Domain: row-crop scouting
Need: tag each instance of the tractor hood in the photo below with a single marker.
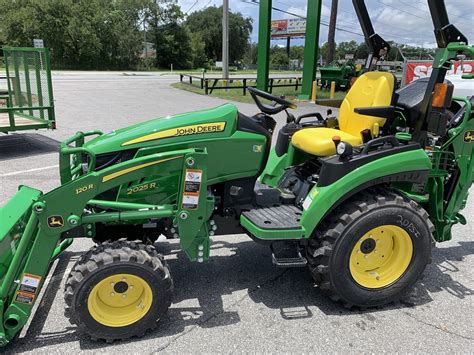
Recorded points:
(198, 125)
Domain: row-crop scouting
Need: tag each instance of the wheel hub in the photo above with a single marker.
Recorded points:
(120, 300)
(121, 287)
(381, 256)
(367, 246)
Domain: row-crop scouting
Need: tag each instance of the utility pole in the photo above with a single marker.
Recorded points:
(332, 32)
(225, 39)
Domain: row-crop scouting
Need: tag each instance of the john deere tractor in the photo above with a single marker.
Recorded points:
(360, 202)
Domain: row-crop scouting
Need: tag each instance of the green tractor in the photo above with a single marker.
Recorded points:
(360, 205)
(343, 75)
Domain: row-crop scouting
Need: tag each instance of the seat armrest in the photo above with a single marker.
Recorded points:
(330, 102)
(377, 111)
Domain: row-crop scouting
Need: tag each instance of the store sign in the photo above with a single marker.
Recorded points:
(289, 27)
(422, 69)
(296, 26)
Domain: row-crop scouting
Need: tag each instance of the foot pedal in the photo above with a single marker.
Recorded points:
(288, 256)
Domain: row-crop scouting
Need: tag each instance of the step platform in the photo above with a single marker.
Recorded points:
(275, 218)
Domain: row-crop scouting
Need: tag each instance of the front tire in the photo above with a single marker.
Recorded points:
(118, 290)
(372, 251)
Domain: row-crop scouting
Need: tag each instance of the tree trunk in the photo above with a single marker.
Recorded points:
(332, 32)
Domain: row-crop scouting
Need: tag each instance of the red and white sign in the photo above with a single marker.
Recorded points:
(422, 69)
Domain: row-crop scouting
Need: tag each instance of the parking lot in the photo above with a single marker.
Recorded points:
(238, 301)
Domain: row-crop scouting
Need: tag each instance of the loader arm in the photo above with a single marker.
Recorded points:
(51, 215)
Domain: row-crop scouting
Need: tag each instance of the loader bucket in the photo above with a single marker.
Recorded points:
(13, 219)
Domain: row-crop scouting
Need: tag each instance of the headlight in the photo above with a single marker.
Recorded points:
(344, 149)
(341, 148)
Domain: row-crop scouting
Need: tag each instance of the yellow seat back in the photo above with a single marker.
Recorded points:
(371, 89)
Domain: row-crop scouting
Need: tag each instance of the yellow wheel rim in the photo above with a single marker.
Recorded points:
(381, 256)
(120, 300)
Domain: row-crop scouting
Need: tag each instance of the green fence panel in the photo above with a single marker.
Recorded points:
(30, 90)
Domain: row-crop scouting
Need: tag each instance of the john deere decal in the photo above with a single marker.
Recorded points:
(55, 221)
(180, 131)
(469, 137)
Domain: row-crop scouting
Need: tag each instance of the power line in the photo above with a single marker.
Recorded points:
(338, 27)
(401, 10)
(191, 7)
(467, 21)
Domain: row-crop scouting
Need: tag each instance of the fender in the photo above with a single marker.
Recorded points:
(411, 166)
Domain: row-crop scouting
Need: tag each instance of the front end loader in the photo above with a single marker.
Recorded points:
(359, 201)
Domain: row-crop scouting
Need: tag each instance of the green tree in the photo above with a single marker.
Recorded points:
(278, 56)
(362, 51)
(344, 48)
(297, 52)
(208, 23)
(250, 56)
(171, 39)
(92, 34)
(199, 57)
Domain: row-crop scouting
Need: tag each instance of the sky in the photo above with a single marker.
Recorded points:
(403, 21)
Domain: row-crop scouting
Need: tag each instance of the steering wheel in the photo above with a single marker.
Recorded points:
(282, 104)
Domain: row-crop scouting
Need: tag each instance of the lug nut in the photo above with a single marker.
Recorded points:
(112, 294)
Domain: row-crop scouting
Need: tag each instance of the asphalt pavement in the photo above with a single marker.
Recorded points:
(238, 301)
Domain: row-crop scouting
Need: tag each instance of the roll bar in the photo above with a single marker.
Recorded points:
(446, 36)
(445, 32)
(378, 47)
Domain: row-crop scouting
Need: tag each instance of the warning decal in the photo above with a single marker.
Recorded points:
(24, 297)
(30, 283)
(192, 187)
(29, 286)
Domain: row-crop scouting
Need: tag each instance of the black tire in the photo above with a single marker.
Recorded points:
(329, 249)
(130, 232)
(107, 260)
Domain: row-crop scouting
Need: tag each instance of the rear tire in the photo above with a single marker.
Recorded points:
(118, 290)
(372, 251)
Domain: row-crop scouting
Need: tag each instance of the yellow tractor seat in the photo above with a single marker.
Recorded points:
(372, 89)
(318, 141)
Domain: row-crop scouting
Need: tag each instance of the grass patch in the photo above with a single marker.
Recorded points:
(237, 94)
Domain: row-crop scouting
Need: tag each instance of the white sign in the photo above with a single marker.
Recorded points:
(296, 26)
(38, 43)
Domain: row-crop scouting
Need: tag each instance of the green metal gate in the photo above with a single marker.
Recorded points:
(28, 102)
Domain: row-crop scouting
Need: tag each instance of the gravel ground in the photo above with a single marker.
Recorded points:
(238, 301)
